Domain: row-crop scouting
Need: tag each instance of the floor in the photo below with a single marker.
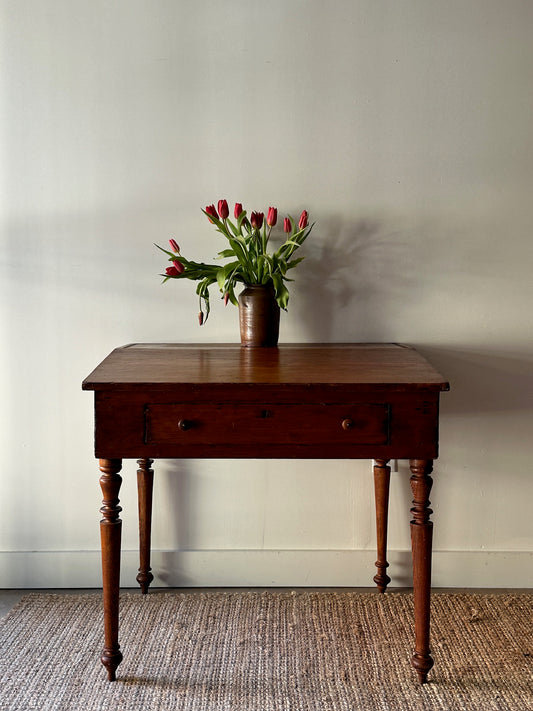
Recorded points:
(9, 598)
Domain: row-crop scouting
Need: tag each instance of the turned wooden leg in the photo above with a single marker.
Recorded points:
(145, 484)
(110, 533)
(381, 488)
(421, 541)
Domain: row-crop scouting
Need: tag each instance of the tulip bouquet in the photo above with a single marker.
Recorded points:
(251, 263)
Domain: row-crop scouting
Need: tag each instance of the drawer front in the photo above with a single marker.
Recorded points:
(190, 423)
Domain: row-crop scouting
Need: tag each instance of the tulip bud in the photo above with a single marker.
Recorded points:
(287, 225)
(272, 216)
(178, 266)
(226, 298)
(174, 245)
(238, 210)
(173, 271)
(303, 220)
(211, 210)
(256, 219)
(223, 210)
(201, 318)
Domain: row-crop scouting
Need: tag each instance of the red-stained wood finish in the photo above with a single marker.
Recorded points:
(145, 485)
(326, 401)
(110, 535)
(381, 489)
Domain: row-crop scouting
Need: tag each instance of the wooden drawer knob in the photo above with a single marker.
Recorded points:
(348, 424)
(184, 425)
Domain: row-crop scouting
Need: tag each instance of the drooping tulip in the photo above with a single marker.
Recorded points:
(226, 298)
(223, 210)
(303, 220)
(201, 318)
(174, 271)
(174, 245)
(272, 216)
(256, 218)
(287, 225)
(178, 265)
(211, 210)
(238, 210)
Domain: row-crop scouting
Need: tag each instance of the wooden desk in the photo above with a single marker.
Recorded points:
(294, 401)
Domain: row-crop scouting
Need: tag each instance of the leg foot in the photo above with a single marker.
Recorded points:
(381, 488)
(145, 484)
(110, 533)
(111, 660)
(422, 665)
(144, 580)
(421, 541)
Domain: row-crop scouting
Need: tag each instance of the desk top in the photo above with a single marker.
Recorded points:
(386, 366)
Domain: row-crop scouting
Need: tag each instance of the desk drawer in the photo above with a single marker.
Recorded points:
(263, 423)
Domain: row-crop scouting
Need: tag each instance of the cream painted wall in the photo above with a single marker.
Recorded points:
(404, 127)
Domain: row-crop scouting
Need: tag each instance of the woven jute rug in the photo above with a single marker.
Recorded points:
(268, 651)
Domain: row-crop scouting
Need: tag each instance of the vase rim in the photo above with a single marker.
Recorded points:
(270, 285)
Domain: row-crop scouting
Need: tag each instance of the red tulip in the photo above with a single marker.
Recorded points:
(272, 217)
(223, 210)
(256, 218)
(238, 210)
(174, 271)
(303, 220)
(178, 265)
(287, 225)
(211, 210)
(226, 298)
(201, 318)
(174, 245)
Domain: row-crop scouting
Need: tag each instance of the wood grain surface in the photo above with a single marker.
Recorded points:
(388, 365)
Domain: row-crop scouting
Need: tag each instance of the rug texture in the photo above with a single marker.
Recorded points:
(269, 651)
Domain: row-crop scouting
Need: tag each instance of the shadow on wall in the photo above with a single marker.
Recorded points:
(179, 478)
(483, 381)
(349, 272)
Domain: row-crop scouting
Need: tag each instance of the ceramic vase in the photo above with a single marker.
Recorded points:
(258, 316)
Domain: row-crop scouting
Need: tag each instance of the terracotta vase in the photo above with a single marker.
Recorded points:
(258, 316)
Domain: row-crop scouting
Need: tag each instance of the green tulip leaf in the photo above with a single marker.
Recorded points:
(172, 255)
(221, 278)
(294, 262)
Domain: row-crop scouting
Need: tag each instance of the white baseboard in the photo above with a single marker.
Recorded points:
(266, 568)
